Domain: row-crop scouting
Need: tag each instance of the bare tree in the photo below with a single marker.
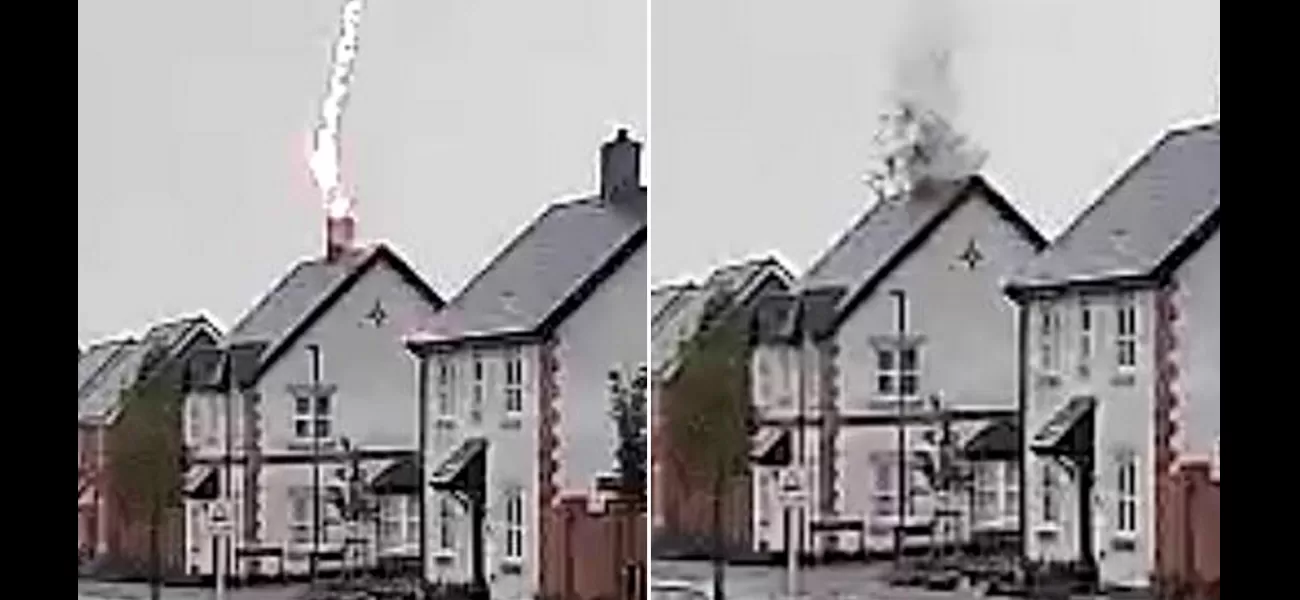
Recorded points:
(629, 414)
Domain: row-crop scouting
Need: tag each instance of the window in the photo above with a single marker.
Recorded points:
(515, 525)
(764, 379)
(303, 417)
(390, 521)
(476, 408)
(300, 514)
(1085, 335)
(1011, 490)
(196, 420)
(897, 373)
(987, 491)
(446, 405)
(1127, 487)
(412, 519)
(884, 489)
(1049, 326)
(514, 382)
(446, 525)
(1126, 334)
(1051, 510)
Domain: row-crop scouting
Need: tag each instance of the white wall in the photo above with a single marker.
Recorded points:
(969, 326)
(1125, 405)
(607, 332)
(1197, 354)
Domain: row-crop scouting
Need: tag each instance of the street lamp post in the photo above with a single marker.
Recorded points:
(900, 298)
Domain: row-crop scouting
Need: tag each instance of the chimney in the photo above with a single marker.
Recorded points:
(620, 166)
(339, 232)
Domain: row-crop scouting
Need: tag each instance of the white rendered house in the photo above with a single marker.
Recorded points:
(339, 321)
(516, 375)
(830, 371)
(1121, 358)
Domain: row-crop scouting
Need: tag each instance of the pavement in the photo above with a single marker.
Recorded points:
(92, 590)
(831, 582)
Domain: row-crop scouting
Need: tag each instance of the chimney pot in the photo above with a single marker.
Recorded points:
(620, 166)
(339, 233)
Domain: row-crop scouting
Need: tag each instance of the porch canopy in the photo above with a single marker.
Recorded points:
(464, 470)
(400, 477)
(997, 441)
(1069, 432)
(771, 447)
(200, 483)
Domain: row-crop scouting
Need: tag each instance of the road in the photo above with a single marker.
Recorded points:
(90, 590)
(840, 582)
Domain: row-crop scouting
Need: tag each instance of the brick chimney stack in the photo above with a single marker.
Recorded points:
(620, 166)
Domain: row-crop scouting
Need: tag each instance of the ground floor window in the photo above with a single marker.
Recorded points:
(1127, 488)
(446, 525)
(300, 514)
(390, 521)
(515, 525)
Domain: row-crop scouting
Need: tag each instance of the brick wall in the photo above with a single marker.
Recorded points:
(588, 555)
(1189, 534)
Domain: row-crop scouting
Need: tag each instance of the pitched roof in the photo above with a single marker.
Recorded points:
(133, 361)
(544, 272)
(665, 299)
(736, 282)
(95, 358)
(891, 231)
(305, 294)
(1144, 221)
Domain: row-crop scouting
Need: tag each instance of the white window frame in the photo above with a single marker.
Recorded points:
(411, 520)
(1126, 327)
(514, 525)
(391, 522)
(1087, 334)
(1126, 495)
(299, 518)
(1049, 338)
(445, 388)
(1011, 491)
(514, 382)
(478, 381)
(320, 417)
(446, 525)
(195, 427)
(988, 493)
(895, 373)
(1050, 498)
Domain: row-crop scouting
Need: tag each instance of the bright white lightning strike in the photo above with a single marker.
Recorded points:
(324, 162)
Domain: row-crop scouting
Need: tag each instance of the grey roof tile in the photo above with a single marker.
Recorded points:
(96, 358)
(100, 397)
(305, 285)
(540, 268)
(1139, 220)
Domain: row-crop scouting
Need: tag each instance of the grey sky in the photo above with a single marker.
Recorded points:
(763, 110)
(194, 123)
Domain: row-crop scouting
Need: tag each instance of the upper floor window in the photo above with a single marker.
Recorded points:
(897, 373)
(477, 391)
(1086, 334)
(1126, 331)
(764, 376)
(304, 416)
(196, 419)
(514, 388)
(446, 402)
(1049, 330)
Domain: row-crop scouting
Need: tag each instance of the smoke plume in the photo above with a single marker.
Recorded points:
(916, 141)
(324, 161)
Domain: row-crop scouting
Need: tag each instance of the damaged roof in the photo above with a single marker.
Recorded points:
(1156, 213)
(545, 272)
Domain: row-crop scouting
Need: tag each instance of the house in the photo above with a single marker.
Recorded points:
(516, 376)
(1120, 359)
(104, 373)
(682, 514)
(900, 326)
(313, 376)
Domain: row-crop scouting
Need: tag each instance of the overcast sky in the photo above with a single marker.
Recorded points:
(194, 118)
(763, 110)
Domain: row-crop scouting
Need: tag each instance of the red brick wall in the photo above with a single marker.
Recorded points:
(586, 555)
(1188, 524)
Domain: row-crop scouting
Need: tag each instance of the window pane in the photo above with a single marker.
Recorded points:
(323, 405)
(885, 360)
(908, 359)
(300, 428)
(885, 384)
(907, 385)
(301, 406)
(322, 428)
